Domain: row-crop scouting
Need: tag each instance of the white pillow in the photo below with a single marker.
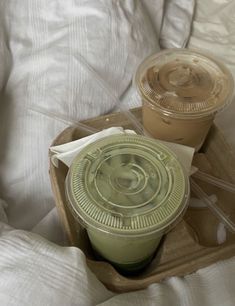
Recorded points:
(71, 60)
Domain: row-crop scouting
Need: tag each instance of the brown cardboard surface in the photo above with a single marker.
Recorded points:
(191, 245)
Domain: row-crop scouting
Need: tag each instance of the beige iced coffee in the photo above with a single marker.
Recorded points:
(182, 90)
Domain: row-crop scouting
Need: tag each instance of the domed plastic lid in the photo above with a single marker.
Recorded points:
(127, 185)
(184, 83)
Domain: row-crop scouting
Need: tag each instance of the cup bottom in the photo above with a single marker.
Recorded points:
(129, 269)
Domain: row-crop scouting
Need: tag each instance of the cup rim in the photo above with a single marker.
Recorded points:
(177, 114)
(160, 226)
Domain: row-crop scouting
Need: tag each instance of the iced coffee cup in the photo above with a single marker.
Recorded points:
(127, 191)
(182, 90)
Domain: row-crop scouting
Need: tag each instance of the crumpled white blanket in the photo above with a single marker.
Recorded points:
(63, 61)
(67, 61)
(36, 272)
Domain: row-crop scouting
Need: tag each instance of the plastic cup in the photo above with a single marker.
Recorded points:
(127, 191)
(182, 90)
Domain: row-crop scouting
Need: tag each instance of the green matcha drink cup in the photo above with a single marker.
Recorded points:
(127, 191)
(182, 90)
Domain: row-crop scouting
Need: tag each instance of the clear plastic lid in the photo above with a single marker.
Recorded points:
(127, 185)
(184, 83)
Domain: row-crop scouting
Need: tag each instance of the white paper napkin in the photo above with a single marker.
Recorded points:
(67, 152)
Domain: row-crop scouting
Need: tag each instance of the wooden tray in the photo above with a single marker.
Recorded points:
(191, 245)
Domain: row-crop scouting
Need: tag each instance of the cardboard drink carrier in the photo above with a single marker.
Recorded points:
(192, 244)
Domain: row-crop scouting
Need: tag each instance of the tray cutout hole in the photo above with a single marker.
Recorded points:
(206, 229)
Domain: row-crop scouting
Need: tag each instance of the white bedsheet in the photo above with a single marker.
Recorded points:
(69, 60)
(35, 272)
(63, 61)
